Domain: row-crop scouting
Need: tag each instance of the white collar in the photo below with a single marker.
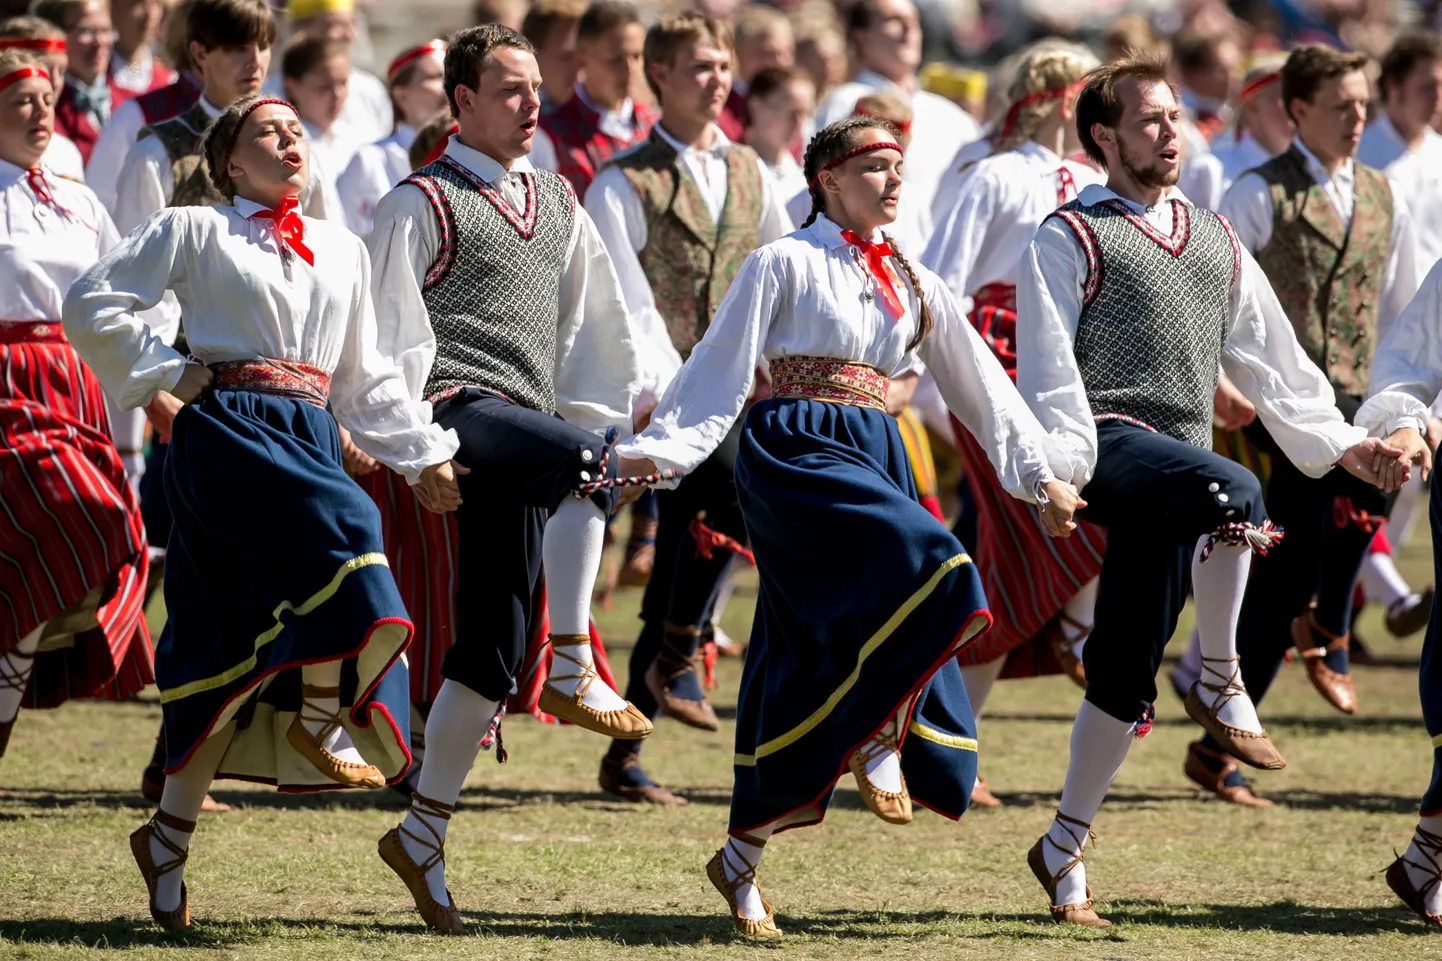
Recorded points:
(404, 135)
(624, 111)
(208, 108)
(1320, 173)
(1040, 152)
(1093, 194)
(145, 61)
(720, 145)
(247, 208)
(825, 230)
(10, 175)
(482, 166)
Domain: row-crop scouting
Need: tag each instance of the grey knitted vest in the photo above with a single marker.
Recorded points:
(1155, 313)
(493, 293)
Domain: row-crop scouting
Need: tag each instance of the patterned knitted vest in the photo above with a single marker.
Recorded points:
(1155, 313)
(581, 148)
(688, 259)
(493, 293)
(181, 135)
(1327, 276)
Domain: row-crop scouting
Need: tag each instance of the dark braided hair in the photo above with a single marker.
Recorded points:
(831, 142)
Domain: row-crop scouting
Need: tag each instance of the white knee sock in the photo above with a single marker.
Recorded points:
(1382, 583)
(183, 796)
(127, 429)
(15, 673)
(459, 719)
(1081, 608)
(339, 742)
(1432, 859)
(1099, 745)
(1405, 514)
(1190, 669)
(571, 552)
(979, 680)
(1218, 585)
(883, 769)
(739, 857)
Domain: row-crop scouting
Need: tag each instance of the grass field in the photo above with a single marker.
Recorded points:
(543, 865)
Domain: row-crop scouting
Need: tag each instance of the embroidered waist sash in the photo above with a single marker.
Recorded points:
(31, 332)
(837, 381)
(284, 378)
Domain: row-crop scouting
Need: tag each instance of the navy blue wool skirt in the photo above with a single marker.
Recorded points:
(275, 560)
(864, 601)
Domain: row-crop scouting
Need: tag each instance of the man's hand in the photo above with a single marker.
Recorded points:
(1063, 501)
(437, 489)
(1414, 451)
(161, 412)
(1365, 461)
(194, 379)
(1231, 410)
(357, 462)
(632, 467)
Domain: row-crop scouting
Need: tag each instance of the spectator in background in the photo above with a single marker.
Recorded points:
(821, 52)
(1132, 35)
(46, 42)
(1401, 141)
(83, 106)
(366, 116)
(508, 13)
(1263, 128)
(1207, 66)
(551, 25)
(316, 72)
(779, 102)
(102, 172)
(601, 119)
(886, 37)
(133, 65)
(763, 39)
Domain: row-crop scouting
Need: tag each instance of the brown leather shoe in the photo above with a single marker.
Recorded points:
(1064, 650)
(673, 662)
(1214, 782)
(1406, 621)
(893, 807)
(1416, 898)
(746, 873)
(613, 782)
(981, 796)
(1079, 914)
(309, 746)
(626, 724)
(640, 553)
(1335, 688)
(441, 918)
(177, 919)
(1254, 748)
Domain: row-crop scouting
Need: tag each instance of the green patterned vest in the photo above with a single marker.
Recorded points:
(1328, 277)
(688, 260)
(181, 138)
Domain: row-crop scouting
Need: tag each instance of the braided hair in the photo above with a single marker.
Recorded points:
(831, 142)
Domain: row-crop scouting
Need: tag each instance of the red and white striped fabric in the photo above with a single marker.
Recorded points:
(421, 547)
(68, 522)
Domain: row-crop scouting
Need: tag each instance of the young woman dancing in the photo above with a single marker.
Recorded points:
(846, 659)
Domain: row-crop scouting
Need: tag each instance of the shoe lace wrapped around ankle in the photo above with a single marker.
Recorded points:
(1230, 688)
(879, 746)
(1076, 856)
(1430, 846)
(179, 855)
(423, 807)
(588, 674)
(332, 722)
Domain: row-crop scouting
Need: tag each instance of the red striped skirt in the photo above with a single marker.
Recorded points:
(70, 523)
(421, 548)
(1028, 577)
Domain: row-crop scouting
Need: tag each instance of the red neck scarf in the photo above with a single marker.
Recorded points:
(289, 226)
(875, 255)
(41, 188)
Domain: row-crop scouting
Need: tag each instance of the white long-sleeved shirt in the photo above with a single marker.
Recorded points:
(621, 219)
(1261, 354)
(1416, 175)
(371, 174)
(619, 123)
(1238, 156)
(42, 251)
(243, 300)
(809, 294)
(939, 128)
(1407, 365)
(597, 376)
(950, 183)
(1000, 202)
(1248, 205)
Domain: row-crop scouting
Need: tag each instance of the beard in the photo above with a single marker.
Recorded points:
(1150, 175)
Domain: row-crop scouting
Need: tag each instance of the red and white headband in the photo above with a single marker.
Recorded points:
(865, 148)
(1252, 89)
(433, 48)
(1041, 96)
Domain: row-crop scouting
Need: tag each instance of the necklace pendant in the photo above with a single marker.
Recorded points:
(868, 295)
(287, 256)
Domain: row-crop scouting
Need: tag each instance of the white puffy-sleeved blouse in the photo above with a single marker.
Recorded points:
(42, 249)
(1407, 366)
(243, 300)
(809, 294)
